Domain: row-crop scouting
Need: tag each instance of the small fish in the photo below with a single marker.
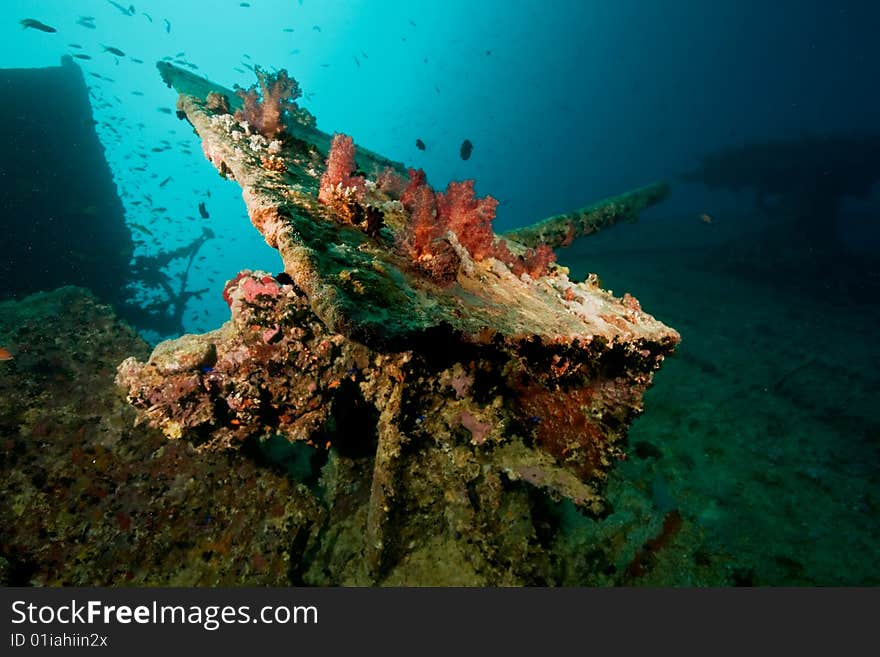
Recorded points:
(81, 56)
(164, 110)
(73, 45)
(5, 354)
(128, 11)
(149, 18)
(165, 182)
(141, 228)
(167, 25)
(203, 210)
(86, 21)
(357, 62)
(316, 28)
(114, 51)
(244, 4)
(705, 218)
(136, 60)
(466, 149)
(420, 144)
(287, 29)
(37, 25)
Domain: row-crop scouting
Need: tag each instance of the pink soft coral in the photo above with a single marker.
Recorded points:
(266, 107)
(457, 210)
(337, 183)
(468, 217)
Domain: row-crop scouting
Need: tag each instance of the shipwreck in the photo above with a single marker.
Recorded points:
(443, 377)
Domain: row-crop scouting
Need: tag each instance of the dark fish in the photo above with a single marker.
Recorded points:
(466, 149)
(114, 51)
(164, 110)
(167, 25)
(413, 23)
(37, 25)
(316, 28)
(73, 45)
(137, 61)
(81, 56)
(357, 62)
(203, 211)
(128, 11)
(141, 228)
(165, 182)
(149, 18)
(244, 4)
(137, 93)
(86, 21)
(420, 144)
(287, 29)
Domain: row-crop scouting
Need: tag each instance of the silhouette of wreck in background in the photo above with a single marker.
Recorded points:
(63, 218)
(64, 222)
(799, 185)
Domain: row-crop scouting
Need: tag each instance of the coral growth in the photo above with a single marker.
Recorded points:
(432, 215)
(266, 106)
(440, 225)
(217, 103)
(338, 187)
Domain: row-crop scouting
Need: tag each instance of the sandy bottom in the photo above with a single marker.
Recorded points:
(763, 430)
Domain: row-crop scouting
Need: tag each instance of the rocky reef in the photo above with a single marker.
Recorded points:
(444, 383)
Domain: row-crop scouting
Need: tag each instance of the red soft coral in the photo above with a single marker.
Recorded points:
(266, 107)
(337, 183)
(468, 217)
(432, 215)
(423, 236)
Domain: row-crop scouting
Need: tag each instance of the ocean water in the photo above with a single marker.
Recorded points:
(762, 431)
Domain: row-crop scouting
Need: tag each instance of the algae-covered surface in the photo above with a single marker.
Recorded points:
(754, 464)
(415, 400)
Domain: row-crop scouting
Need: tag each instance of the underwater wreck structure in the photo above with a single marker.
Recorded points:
(444, 377)
(800, 185)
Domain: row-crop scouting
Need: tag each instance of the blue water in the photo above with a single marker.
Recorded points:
(565, 101)
(762, 429)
